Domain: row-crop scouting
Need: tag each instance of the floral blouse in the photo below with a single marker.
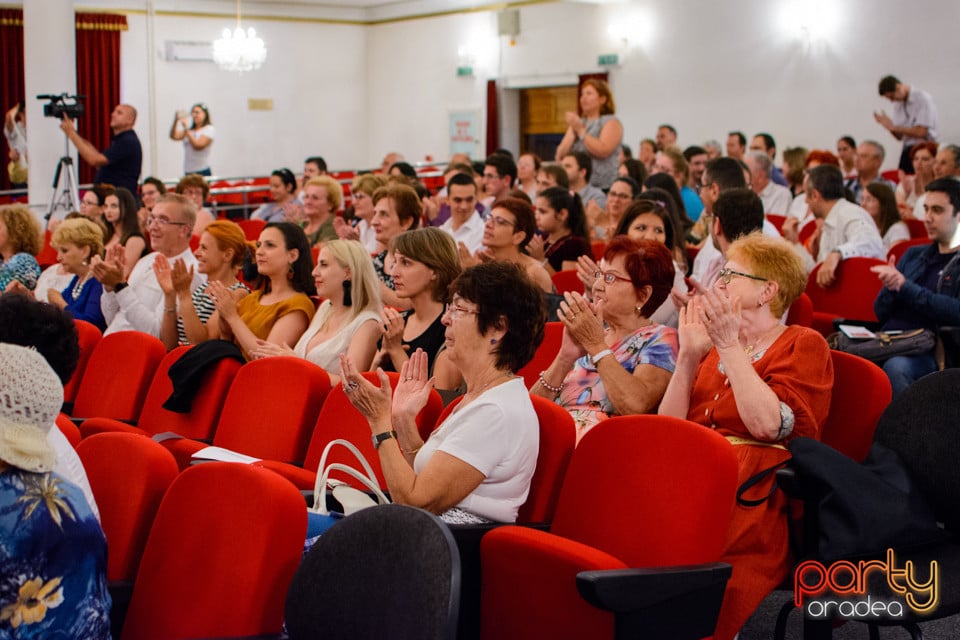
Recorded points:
(53, 561)
(22, 267)
(583, 394)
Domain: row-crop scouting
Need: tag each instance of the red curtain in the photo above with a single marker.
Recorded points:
(588, 76)
(11, 72)
(493, 117)
(98, 77)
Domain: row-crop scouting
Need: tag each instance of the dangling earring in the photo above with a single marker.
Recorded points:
(290, 272)
(347, 298)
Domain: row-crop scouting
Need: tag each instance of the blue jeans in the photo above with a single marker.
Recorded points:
(905, 370)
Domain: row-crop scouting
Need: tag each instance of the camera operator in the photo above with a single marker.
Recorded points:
(119, 164)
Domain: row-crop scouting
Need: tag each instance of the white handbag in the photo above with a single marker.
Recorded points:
(352, 499)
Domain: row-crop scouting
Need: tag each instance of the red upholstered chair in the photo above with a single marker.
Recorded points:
(269, 411)
(850, 297)
(564, 281)
(339, 419)
(801, 311)
(597, 248)
(861, 393)
(220, 557)
(918, 229)
(897, 249)
(198, 424)
(892, 175)
(640, 492)
(68, 429)
(806, 231)
(117, 376)
(129, 474)
(89, 336)
(544, 355)
(252, 228)
(48, 254)
(777, 220)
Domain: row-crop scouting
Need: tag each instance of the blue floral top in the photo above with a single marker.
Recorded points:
(53, 561)
(583, 394)
(22, 267)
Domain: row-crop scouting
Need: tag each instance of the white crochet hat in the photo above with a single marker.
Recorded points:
(30, 398)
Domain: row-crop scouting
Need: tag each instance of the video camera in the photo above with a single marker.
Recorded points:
(59, 106)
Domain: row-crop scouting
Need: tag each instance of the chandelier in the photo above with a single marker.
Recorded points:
(239, 50)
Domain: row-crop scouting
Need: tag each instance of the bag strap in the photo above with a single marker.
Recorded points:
(369, 480)
(753, 481)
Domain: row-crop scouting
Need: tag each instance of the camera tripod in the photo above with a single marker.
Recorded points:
(64, 196)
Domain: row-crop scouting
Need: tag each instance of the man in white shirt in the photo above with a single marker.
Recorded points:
(914, 117)
(465, 224)
(138, 303)
(847, 230)
(775, 198)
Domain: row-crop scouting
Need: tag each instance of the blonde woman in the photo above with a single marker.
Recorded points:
(77, 241)
(321, 201)
(348, 321)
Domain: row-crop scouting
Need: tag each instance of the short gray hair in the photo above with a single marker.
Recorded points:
(763, 162)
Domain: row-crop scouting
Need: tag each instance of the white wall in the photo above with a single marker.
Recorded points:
(314, 73)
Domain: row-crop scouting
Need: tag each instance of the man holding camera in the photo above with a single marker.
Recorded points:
(119, 164)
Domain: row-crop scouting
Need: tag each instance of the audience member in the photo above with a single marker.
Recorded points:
(195, 187)
(601, 225)
(477, 465)
(647, 153)
(552, 174)
(53, 554)
(634, 169)
(736, 145)
(321, 201)
(123, 227)
(696, 158)
(150, 190)
(396, 209)
(666, 137)
(759, 383)
(714, 150)
(847, 231)
(613, 360)
(20, 241)
(764, 142)
(881, 204)
(672, 162)
(465, 224)
(798, 208)
(911, 188)
(776, 199)
(914, 116)
(136, 303)
(506, 234)
(528, 164)
(222, 251)
(579, 168)
(362, 190)
(870, 156)
(598, 133)
(119, 164)
(923, 289)
(499, 174)
(562, 235)
(285, 207)
(390, 159)
(92, 203)
(280, 308)
(77, 241)
(794, 164)
(847, 154)
(348, 320)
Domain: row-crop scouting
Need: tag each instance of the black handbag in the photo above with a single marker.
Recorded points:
(886, 345)
(858, 510)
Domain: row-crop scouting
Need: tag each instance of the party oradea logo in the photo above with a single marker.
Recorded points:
(843, 588)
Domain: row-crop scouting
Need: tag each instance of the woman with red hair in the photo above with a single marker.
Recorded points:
(598, 132)
(911, 188)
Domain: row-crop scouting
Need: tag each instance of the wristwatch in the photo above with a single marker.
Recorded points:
(380, 438)
(120, 286)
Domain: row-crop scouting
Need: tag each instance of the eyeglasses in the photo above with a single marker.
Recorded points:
(609, 277)
(621, 196)
(456, 312)
(726, 275)
(501, 222)
(164, 222)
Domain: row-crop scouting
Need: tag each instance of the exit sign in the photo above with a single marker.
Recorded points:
(608, 59)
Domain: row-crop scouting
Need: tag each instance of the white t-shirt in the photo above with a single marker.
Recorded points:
(69, 466)
(50, 279)
(497, 434)
(198, 159)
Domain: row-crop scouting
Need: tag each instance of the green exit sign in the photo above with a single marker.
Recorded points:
(464, 71)
(608, 59)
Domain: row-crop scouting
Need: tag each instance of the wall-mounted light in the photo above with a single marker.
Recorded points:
(810, 21)
(478, 53)
(631, 27)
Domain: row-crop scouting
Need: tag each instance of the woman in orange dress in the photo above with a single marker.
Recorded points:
(759, 383)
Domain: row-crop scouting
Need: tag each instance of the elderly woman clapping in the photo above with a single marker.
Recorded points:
(614, 360)
(759, 383)
(477, 465)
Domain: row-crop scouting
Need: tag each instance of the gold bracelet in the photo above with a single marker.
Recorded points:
(413, 451)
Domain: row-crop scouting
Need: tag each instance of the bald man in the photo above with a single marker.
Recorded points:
(120, 163)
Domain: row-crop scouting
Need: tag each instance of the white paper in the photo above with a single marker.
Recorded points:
(857, 333)
(223, 455)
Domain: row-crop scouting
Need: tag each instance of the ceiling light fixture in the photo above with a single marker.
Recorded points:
(240, 50)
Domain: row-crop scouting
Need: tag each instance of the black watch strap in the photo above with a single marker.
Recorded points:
(120, 286)
(380, 438)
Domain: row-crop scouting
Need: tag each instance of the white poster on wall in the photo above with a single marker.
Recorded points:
(465, 132)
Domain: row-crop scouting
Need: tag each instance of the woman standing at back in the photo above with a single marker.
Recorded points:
(598, 132)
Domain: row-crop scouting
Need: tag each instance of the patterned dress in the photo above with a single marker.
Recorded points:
(583, 394)
(22, 267)
(53, 561)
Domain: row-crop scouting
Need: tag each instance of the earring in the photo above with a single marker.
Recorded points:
(290, 272)
(638, 309)
(759, 303)
(347, 298)
(493, 341)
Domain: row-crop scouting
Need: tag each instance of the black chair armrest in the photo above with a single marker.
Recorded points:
(665, 602)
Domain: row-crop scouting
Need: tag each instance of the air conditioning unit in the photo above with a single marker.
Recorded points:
(181, 51)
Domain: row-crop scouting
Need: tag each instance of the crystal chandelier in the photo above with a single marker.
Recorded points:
(240, 50)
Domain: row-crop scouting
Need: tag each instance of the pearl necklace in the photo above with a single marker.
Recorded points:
(77, 288)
